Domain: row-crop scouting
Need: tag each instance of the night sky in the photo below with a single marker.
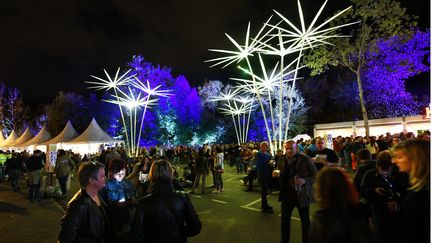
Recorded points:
(49, 46)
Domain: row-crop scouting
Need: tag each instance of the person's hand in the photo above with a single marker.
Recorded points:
(380, 191)
(392, 205)
(299, 181)
(275, 173)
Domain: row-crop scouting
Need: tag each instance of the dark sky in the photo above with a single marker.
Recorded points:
(48, 46)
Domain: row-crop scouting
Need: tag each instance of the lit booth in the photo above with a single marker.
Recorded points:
(91, 140)
(377, 127)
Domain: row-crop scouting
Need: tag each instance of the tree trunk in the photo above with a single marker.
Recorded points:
(362, 103)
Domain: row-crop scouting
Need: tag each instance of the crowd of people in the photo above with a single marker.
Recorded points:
(143, 200)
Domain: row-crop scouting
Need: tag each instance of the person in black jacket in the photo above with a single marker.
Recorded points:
(14, 167)
(366, 163)
(382, 188)
(34, 173)
(165, 215)
(85, 217)
(201, 171)
(413, 157)
(297, 175)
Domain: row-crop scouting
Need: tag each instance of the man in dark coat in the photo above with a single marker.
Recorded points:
(201, 171)
(84, 220)
(297, 174)
(14, 167)
(34, 173)
(264, 170)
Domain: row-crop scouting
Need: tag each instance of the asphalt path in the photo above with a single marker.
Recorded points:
(235, 215)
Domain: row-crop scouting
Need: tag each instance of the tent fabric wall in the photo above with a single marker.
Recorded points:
(93, 134)
(40, 138)
(10, 139)
(26, 136)
(67, 134)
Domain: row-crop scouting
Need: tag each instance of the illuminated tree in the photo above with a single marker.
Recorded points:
(379, 19)
(396, 60)
(174, 117)
(80, 110)
(207, 91)
(13, 111)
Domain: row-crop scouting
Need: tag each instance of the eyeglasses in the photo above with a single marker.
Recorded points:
(120, 174)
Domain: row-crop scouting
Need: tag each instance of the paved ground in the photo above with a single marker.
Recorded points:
(231, 216)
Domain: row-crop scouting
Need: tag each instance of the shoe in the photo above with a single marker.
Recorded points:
(221, 190)
(267, 209)
(248, 189)
(192, 192)
(215, 191)
(242, 183)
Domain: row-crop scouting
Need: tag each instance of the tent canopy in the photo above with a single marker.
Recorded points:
(40, 138)
(93, 134)
(66, 135)
(304, 136)
(10, 139)
(26, 136)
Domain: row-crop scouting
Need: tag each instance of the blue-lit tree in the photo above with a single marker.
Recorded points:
(174, 118)
(379, 20)
(396, 60)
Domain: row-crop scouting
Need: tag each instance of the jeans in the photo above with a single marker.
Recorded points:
(62, 182)
(196, 181)
(218, 181)
(34, 178)
(347, 158)
(286, 212)
(250, 178)
(14, 177)
(34, 192)
(239, 165)
(264, 179)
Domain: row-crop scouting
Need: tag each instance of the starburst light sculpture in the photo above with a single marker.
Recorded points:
(275, 40)
(134, 95)
(113, 83)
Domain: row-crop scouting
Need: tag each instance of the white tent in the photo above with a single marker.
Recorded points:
(93, 134)
(26, 136)
(1, 138)
(9, 140)
(304, 136)
(40, 138)
(37, 141)
(66, 135)
(91, 139)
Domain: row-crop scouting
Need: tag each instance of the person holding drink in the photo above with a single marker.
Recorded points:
(296, 174)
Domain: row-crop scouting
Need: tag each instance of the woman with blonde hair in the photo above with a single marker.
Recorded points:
(413, 157)
(339, 220)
